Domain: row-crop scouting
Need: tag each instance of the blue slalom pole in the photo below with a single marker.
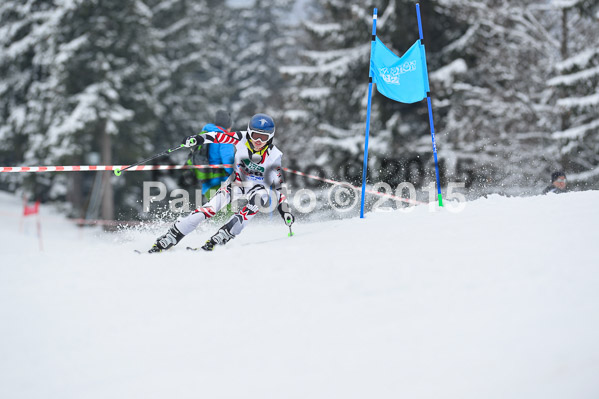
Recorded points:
(430, 115)
(365, 166)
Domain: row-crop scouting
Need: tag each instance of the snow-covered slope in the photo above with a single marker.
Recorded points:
(500, 300)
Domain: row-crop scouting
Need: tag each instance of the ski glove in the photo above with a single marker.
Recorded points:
(191, 141)
(288, 218)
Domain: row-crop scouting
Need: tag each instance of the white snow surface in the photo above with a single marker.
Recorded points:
(500, 300)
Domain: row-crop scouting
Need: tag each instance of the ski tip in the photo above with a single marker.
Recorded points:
(140, 252)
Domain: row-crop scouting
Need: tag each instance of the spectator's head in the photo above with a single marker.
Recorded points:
(558, 179)
(223, 119)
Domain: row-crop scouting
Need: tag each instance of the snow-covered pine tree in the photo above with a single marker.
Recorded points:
(26, 56)
(93, 71)
(191, 87)
(576, 85)
(260, 45)
(109, 80)
(495, 109)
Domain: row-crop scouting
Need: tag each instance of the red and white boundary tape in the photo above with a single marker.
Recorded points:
(95, 168)
(390, 196)
(91, 168)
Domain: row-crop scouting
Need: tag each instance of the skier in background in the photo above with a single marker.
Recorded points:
(257, 167)
(214, 154)
(558, 183)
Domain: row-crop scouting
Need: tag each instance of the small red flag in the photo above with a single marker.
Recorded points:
(31, 210)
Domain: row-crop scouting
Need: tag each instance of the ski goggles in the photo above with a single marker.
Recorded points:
(257, 135)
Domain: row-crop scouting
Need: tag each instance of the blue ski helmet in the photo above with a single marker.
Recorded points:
(261, 127)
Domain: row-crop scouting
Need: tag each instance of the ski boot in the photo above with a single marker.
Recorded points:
(170, 239)
(221, 237)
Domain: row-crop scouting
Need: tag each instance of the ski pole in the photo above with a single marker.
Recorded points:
(290, 232)
(118, 171)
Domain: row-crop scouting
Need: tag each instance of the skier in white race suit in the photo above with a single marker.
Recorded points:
(257, 168)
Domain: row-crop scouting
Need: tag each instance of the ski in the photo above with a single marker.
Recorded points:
(145, 251)
(199, 249)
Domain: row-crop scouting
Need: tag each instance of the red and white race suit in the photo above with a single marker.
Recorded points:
(256, 176)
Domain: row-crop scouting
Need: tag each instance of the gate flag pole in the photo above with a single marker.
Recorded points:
(365, 166)
(430, 111)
